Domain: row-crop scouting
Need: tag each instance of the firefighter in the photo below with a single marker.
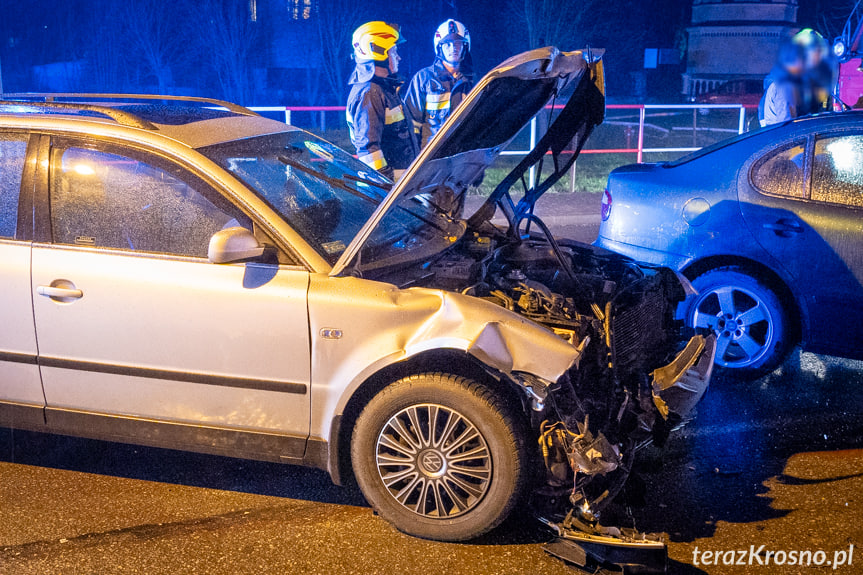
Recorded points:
(379, 128)
(435, 91)
(821, 70)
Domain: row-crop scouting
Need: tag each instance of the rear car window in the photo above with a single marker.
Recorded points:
(837, 170)
(780, 173)
(131, 201)
(13, 148)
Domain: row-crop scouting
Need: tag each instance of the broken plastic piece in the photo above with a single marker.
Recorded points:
(679, 386)
(601, 548)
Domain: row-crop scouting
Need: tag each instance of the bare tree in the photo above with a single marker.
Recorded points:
(227, 37)
(567, 24)
(107, 64)
(336, 21)
(832, 14)
(151, 29)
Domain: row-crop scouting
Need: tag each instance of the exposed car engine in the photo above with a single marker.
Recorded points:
(621, 318)
(636, 374)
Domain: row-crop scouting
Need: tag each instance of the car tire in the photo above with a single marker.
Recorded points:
(453, 483)
(747, 317)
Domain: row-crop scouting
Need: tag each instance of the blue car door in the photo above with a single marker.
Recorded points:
(803, 202)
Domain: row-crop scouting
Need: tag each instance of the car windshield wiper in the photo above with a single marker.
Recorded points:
(379, 185)
(337, 182)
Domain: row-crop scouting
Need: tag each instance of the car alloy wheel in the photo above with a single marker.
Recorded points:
(442, 456)
(742, 322)
(434, 461)
(747, 318)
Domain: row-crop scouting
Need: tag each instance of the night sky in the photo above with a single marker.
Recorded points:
(181, 46)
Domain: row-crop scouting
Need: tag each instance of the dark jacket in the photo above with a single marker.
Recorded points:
(821, 81)
(433, 94)
(380, 130)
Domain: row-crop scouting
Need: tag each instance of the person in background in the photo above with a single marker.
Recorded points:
(821, 70)
(435, 91)
(784, 98)
(379, 128)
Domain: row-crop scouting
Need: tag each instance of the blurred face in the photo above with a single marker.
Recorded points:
(453, 51)
(394, 60)
(795, 67)
(814, 55)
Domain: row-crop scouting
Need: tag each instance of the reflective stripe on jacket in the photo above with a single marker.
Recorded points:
(379, 130)
(432, 95)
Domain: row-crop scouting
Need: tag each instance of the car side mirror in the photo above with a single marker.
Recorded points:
(233, 245)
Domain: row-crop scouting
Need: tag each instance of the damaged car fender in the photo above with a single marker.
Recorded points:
(377, 324)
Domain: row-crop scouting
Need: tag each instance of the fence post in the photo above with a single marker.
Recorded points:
(572, 177)
(640, 134)
(532, 173)
(287, 116)
(694, 127)
(741, 127)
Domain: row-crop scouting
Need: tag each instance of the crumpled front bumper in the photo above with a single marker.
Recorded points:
(680, 385)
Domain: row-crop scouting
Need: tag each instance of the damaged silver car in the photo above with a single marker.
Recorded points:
(210, 280)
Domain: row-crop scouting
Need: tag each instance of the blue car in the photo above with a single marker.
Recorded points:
(768, 226)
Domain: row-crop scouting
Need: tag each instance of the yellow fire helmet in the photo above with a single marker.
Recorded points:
(374, 40)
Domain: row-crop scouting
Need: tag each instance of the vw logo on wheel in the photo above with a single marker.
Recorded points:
(431, 461)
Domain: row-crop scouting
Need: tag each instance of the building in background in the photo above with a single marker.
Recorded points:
(734, 40)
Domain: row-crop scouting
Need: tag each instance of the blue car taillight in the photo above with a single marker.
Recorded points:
(606, 204)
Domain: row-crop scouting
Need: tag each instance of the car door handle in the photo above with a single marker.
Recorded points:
(60, 293)
(785, 227)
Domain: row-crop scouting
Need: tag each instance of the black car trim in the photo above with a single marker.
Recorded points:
(246, 443)
(22, 415)
(24, 217)
(41, 206)
(202, 378)
(223, 441)
(14, 357)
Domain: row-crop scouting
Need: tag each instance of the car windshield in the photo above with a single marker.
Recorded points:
(327, 195)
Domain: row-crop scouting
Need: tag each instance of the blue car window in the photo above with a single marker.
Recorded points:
(12, 151)
(781, 173)
(837, 170)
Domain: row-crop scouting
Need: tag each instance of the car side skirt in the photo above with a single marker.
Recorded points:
(228, 442)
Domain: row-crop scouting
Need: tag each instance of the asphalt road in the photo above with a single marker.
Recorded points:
(777, 462)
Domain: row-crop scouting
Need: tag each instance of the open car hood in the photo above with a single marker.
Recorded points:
(499, 106)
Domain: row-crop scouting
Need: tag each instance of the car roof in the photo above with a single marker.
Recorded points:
(195, 122)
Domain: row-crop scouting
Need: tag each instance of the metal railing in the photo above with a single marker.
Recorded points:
(643, 111)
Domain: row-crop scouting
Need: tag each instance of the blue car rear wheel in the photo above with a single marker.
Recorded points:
(747, 318)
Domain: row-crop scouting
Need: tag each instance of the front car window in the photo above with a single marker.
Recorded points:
(327, 196)
(120, 199)
(837, 170)
(781, 173)
(13, 148)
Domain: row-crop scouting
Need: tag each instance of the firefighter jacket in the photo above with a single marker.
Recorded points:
(433, 94)
(378, 127)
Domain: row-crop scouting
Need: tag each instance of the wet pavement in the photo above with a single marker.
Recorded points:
(776, 463)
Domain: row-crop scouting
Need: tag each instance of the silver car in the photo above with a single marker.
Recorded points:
(201, 278)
